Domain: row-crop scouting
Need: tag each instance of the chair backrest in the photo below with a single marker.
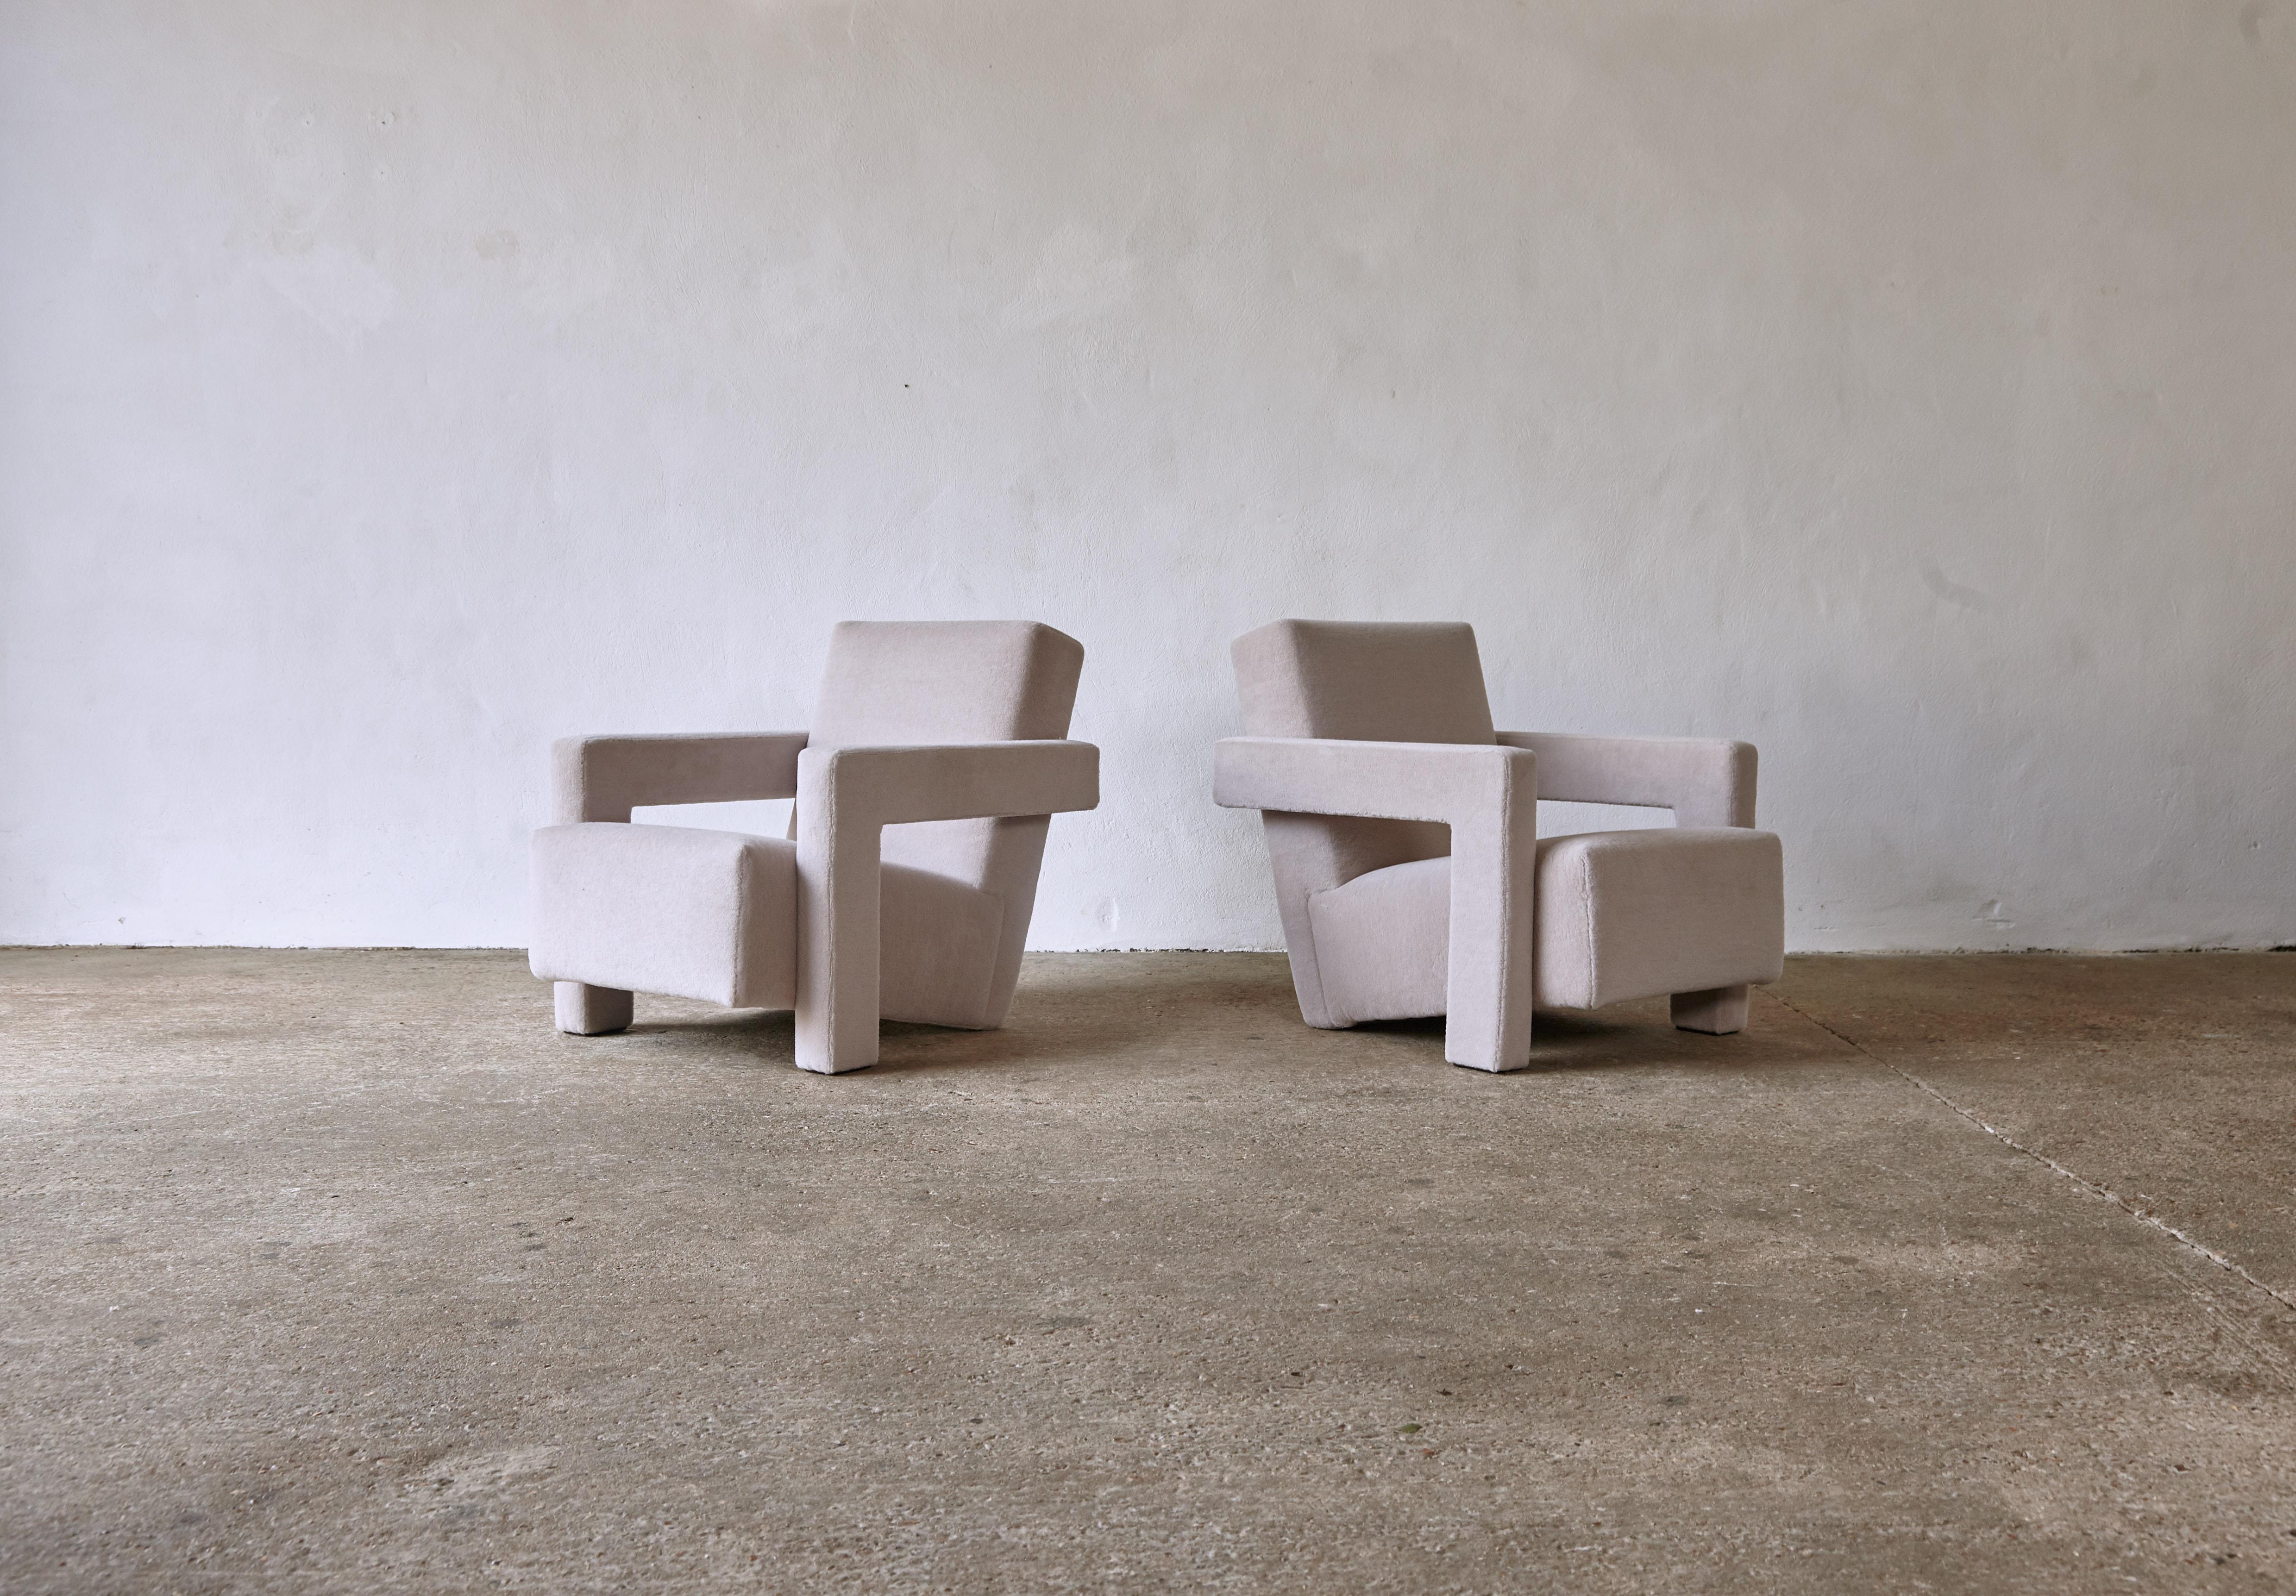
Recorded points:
(1367, 681)
(1362, 680)
(923, 682)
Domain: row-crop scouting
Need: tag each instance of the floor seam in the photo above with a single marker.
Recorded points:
(2136, 1211)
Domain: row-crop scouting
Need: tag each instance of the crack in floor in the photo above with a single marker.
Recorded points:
(2137, 1211)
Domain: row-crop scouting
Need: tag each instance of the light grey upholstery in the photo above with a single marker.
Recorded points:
(923, 791)
(1402, 830)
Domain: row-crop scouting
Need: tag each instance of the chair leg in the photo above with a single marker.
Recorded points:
(1488, 987)
(1718, 1012)
(840, 913)
(592, 1010)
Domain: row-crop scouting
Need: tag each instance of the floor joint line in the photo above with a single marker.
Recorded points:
(2141, 1214)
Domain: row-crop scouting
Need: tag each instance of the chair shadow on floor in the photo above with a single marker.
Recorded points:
(670, 1030)
(1631, 1035)
(1077, 1010)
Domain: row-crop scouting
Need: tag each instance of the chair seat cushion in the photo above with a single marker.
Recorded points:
(712, 915)
(673, 909)
(1619, 915)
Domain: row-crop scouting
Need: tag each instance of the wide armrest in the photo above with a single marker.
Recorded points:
(956, 781)
(1488, 796)
(1389, 781)
(846, 797)
(601, 778)
(1705, 780)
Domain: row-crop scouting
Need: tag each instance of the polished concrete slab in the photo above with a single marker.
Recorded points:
(344, 1271)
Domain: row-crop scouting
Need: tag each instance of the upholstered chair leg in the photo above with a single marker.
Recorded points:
(1486, 1022)
(592, 1010)
(1718, 1012)
(839, 905)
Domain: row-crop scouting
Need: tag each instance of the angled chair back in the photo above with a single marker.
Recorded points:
(1363, 681)
(931, 681)
(1369, 681)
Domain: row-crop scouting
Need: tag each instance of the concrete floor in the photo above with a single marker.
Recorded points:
(345, 1273)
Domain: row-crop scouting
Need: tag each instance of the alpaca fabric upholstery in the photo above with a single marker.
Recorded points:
(1401, 833)
(1482, 798)
(707, 915)
(603, 778)
(923, 792)
(667, 909)
(1681, 910)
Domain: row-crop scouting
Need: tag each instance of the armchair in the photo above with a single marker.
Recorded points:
(1402, 828)
(924, 790)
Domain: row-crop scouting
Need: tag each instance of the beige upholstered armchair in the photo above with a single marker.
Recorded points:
(936, 759)
(1403, 830)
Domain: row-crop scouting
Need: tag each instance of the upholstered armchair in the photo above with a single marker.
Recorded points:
(924, 788)
(1403, 832)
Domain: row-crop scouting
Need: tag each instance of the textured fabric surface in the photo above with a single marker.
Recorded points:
(667, 909)
(899, 682)
(713, 915)
(847, 800)
(1721, 1012)
(1486, 796)
(1420, 681)
(603, 778)
(1407, 890)
(1629, 914)
(939, 943)
(1705, 780)
(896, 683)
(1619, 915)
(1375, 681)
(1383, 943)
(922, 794)
(582, 1009)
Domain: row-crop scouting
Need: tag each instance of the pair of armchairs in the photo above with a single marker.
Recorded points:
(1401, 826)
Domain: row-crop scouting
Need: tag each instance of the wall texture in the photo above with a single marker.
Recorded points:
(1906, 386)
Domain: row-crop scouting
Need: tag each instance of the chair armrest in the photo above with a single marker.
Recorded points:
(846, 797)
(1445, 781)
(601, 778)
(886, 786)
(1488, 797)
(1705, 780)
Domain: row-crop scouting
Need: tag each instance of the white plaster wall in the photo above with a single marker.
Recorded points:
(388, 388)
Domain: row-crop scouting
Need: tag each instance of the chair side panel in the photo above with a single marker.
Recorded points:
(670, 910)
